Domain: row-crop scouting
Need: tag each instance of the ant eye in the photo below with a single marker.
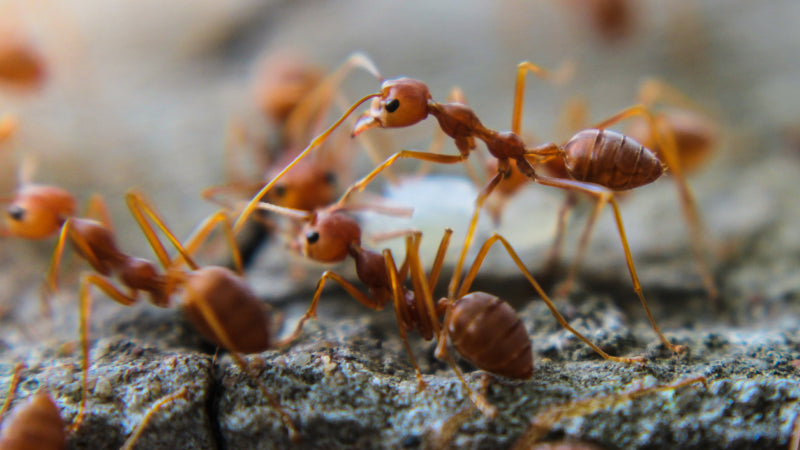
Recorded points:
(330, 178)
(16, 212)
(312, 237)
(392, 105)
(280, 191)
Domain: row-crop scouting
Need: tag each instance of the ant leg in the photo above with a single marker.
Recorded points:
(401, 312)
(181, 393)
(473, 225)
(201, 233)
(311, 313)
(560, 76)
(12, 390)
(140, 207)
(603, 196)
(544, 421)
(85, 306)
(8, 127)
(553, 258)
(67, 232)
(794, 443)
(97, 209)
(473, 271)
(359, 185)
(316, 142)
(320, 97)
(429, 319)
(224, 338)
(666, 142)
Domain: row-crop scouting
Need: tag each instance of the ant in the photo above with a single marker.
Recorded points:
(695, 139)
(330, 235)
(600, 162)
(313, 183)
(217, 301)
(38, 424)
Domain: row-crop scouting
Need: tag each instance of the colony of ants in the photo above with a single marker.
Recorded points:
(483, 328)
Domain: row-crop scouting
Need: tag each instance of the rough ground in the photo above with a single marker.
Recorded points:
(140, 96)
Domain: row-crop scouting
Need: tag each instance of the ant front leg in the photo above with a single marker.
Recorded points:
(359, 185)
(311, 313)
(252, 205)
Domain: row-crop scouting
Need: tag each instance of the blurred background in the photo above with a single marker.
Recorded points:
(143, 94)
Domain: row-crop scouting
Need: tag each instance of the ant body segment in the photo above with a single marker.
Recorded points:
(217, 301)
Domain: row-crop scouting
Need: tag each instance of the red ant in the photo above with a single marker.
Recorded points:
(298, 98)
(218, 302)
(38, 424)
(599, 161)
(330, 235)
(695, 138)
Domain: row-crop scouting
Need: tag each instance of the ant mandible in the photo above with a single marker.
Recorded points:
(217, 301)
(331, 235)
(618, 163)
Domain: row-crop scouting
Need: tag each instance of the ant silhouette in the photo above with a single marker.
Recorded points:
(217, 301)
(469, 318)
(599, 161)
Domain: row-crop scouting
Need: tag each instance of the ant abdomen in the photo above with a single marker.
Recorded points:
(35, 425)
(226, 297)
(488, 332)
(611, 159)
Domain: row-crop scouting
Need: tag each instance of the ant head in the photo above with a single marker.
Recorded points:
(306, 188)
(403, 102)
(37, 212)
(328, 238)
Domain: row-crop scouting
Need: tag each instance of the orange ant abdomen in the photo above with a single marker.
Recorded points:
(234, 306)
(35, 425)
(488, 332)
(611, 159)
(37, 212)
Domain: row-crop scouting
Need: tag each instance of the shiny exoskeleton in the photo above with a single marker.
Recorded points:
(35, 425)
(218, 302)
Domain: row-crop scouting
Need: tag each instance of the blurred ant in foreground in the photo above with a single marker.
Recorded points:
(599, 161)
(217, 301)
(482, 327)
(37, 424)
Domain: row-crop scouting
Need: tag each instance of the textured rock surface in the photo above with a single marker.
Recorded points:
(152, 111)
